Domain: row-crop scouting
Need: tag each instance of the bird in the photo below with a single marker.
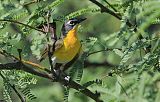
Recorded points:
(68, 47)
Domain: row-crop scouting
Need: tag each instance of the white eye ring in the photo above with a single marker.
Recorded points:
(71, 23)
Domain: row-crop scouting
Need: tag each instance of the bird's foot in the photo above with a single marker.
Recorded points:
(61, 75)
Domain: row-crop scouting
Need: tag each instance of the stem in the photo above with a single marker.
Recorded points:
(13, 21)
(29, 3)
(110, 5)
(102, 51)
(105, 9)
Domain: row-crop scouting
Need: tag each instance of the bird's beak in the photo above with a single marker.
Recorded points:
(81, 20)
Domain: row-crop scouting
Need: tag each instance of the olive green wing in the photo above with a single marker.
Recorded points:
(58, 44)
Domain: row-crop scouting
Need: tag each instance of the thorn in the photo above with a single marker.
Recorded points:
(19, 52)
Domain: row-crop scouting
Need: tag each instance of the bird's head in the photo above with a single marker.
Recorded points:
(71, 24)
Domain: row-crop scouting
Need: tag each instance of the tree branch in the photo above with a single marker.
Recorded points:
(6, 54)
(32, 68)
(16, 22)
(110, 5)
(103, 50)
(31, 2)
(22, 66)
(71, 84)
(95, 64)
(106, 10)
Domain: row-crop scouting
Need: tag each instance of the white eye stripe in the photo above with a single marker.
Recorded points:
(71, 22)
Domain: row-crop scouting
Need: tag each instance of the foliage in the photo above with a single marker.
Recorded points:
(130, 47)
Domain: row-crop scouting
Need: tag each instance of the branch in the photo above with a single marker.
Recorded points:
(36, 69)
(71, 84)
(31, 2)
(22, 66)
(6, 54)
(95, 64)
(106, 10)
(104, 50)
(26, 25)
(110, 5)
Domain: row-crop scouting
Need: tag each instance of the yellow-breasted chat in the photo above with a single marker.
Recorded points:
(68, 47)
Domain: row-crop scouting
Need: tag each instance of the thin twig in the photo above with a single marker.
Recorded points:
(37, 66)
(14, 88)
(110, 5)
(50, 62)
(108, 49)
(26, 25)
(31, 2)
(105, 9)
(104, 64)
(6, 54)
(50, 49)
(123, 89)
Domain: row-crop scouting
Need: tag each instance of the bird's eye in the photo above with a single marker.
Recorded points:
(72, 23)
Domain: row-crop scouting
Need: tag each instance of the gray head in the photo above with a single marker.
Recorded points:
(71, 24)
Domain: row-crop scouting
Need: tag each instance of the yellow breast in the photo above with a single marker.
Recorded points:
(70, 48)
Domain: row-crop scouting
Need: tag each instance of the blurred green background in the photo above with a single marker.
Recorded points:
(129, 87)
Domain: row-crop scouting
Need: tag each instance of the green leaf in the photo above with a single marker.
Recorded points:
(118, 52)
(82, 12)
(118, 86)
(66, 94)
(7, 92)
(27, 93)
(55, 3)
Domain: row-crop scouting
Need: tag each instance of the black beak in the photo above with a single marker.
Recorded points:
(81, 20)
